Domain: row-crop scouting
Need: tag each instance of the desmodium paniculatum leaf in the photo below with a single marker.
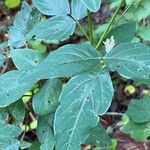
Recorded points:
(13, 85)
(23, 23)
(56, 28)
(26, 58)
(52, 7)
(67, 61)
(78, 9)
(92, 5)
(46, 100)
(79, 108)
(131, 60)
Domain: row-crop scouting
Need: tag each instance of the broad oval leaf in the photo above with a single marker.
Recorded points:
(123, 33)
(46, 100)
(138, 110)
(99, 137)
(68, 60)
(45, 132)
(131, 60)
(52, 7)
(8, 133)
(13, 85)
(78, 10)
(55, 28)
(23, 23)
(79, 104)
(26, 58)
(92, 5)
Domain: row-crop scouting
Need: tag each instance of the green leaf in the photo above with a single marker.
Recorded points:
(12, 3)
(139, 10)
(143, 32)
(45, 101)
(78, 10)
(13, 85)
(138, 110)
(99, 137)
(17, 110)
(57, 7)
(8, 133)
(123, 33)
(24, 22)
(11, 145)
(138, 131)
(55, 28)
(85, 96)
(26, 58)
(68, 60)
(92, 5)
(131, 60)
(45, 133)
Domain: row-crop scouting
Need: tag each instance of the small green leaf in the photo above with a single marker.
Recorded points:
(99, 137)
(84, 97)
(24, 22)
(55, 28)
(17, 110)
(45, 133)
(57, 7)
(12, 3)
(143, 32)
(138, 110)
(13, 85)
(138, 131)
(92, 5)
(123, 33)
(68, 60)
(46, 101)
(131, 60)
(79, 11)
(8, 133)
(26, 58)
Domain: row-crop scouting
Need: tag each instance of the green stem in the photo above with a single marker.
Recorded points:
(83, 31)
(117, 21)
(90, 28)
(109, 25)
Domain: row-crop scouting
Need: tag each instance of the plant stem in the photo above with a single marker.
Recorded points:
(117, 21)
(90, 28)
(109, 25)
(83, 31)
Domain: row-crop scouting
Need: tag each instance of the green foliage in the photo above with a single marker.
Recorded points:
(45, 101)
(73, 84)
(131, 60)
(12, 3)
(138, 110)
(92, 5)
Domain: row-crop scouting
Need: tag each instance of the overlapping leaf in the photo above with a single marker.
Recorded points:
(67, 61)
(55, 28)
(49, 7)
(78, 9)
(24, 21)
(13, 85)
(45, 133)
(131, 60)
(138, 110)
(8, 133)
(92, 5)
(46, 100)
(80, 104)
(26, 58)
